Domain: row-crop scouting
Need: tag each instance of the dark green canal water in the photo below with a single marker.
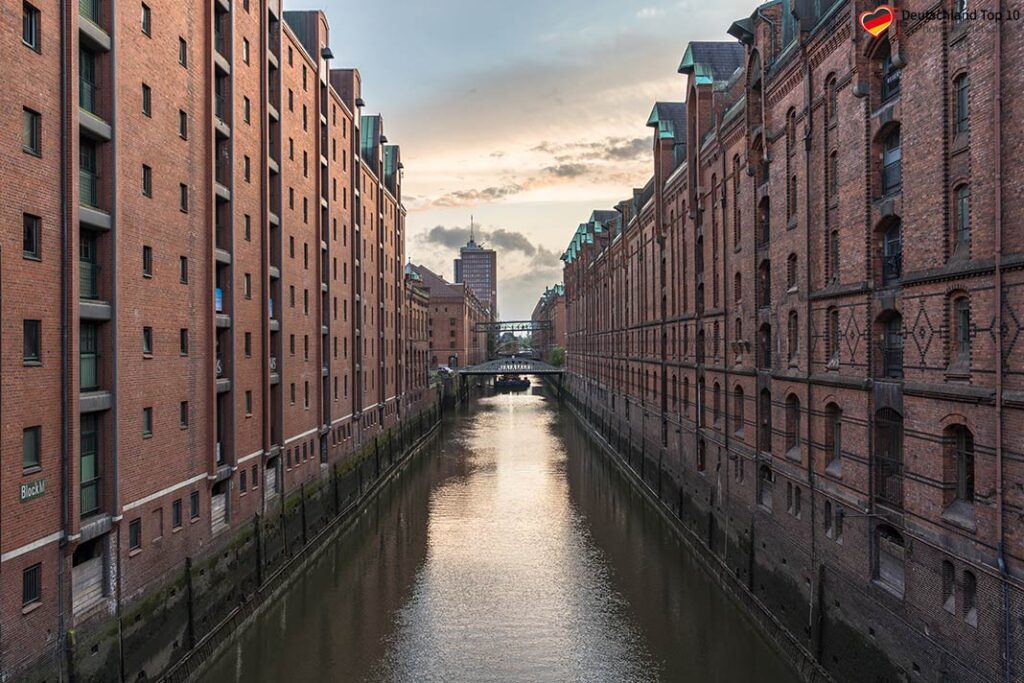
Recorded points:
(510, 551)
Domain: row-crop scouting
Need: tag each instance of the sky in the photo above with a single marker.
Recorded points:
(525, 115)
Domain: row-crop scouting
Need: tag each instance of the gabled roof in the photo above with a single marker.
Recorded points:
(709, 61)
(670, 120)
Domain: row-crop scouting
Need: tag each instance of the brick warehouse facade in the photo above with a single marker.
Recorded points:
(165, 380)
(803, 332)
(454, 313)
(551, 308)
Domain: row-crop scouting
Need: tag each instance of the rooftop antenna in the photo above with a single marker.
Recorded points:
(471, 228)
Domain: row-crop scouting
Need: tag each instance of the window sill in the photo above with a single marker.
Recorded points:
(31, 257)
(31, 607)
(32, 153)
(147, 356)
(958, 372)
(33, 364)
(794, 454)
(961, 143)
(148, 436)
(835, 469)
(134, 552)
(792, 223)
(960, 513)
(35, 469)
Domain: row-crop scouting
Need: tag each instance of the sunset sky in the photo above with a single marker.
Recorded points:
(526, 115)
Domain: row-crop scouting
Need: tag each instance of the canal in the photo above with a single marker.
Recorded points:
(510, 551)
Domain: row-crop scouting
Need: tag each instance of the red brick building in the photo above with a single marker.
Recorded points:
(417, 346)
(204, 309)
(451, 326)
(550, 308)
(802, 331)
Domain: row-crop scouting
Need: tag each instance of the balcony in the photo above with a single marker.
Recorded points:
(88, 280)
(89, 191)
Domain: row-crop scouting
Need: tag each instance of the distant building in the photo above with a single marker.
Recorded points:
(550, 307)
(454, 311)
(478, 268)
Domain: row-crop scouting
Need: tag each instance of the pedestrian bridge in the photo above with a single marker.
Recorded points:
(511, 366)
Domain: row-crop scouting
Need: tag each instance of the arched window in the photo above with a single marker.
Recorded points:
(791, 271)
(764, 230)
(765, 486)
(963, 216)
(791, 132)
(736, 200)
(958, 470)
(792, 425)
(738, 330)
(961, 342)
(737, 410)
(793, 333)
(948, 587)
(961, 118)
(970, 598)
(890, 557)
(833, 176)
(892, 163)
(888, 456)
(892, 347)
(892, 252)
(833, 96)
(833, 436)
(765, 414)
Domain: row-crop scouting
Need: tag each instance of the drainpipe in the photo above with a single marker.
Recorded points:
(812, 607)
(65, 334)
(998, 315)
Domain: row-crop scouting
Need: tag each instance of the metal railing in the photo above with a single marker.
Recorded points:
(88, 371)
(88, 280)
(88, 182)
(90, 9)
(889, 481)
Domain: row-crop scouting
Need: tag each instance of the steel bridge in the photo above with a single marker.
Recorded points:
(499, 326)
(512, 366)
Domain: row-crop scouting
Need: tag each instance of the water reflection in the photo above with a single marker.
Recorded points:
(509, 553)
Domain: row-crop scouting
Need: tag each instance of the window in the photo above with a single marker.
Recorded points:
(242, 481)
(147, 422)
(889, 568)
(248, 407)
(833, 256)
(792, 205)
(31, 132)
(183, 197)
(962, 327)
(193, 505)
(176, 514)
(183, 414)
(970, 598)
(183, 124)
(833, 334)
(948, 587)
(147, 181)
(961, 118)
(888, 456)
(245, 109)
(30, 244)
(32, 341)
(890, 77)
(737, 410)
(245, 50)
(146, 20)
(963, 216)
(247, 286)
(87, 80)
(248, 228)
(147, 261)
(792, 425)
(30, 26)
(833, 435)
(88, 173)
(183, 341)
(183, 269)
(765, 431)
(833, 177)
(32, 585)
(147, 341)
(182, 52)
(158, 524)
(135, 534)
(766, 485)
(246, 168)
(833, 97)
(764, 346)
(892, 163)
(31, 447)
(147, 100)
(306, 395)
(248, 344)
(959, 468)
(791, 272)
(793, 332)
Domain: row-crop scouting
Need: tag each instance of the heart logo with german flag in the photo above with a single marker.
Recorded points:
(877, 20)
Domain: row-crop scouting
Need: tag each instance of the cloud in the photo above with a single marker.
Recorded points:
(650, 13)
(501, 239)
(472, 196)
(567, 170)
